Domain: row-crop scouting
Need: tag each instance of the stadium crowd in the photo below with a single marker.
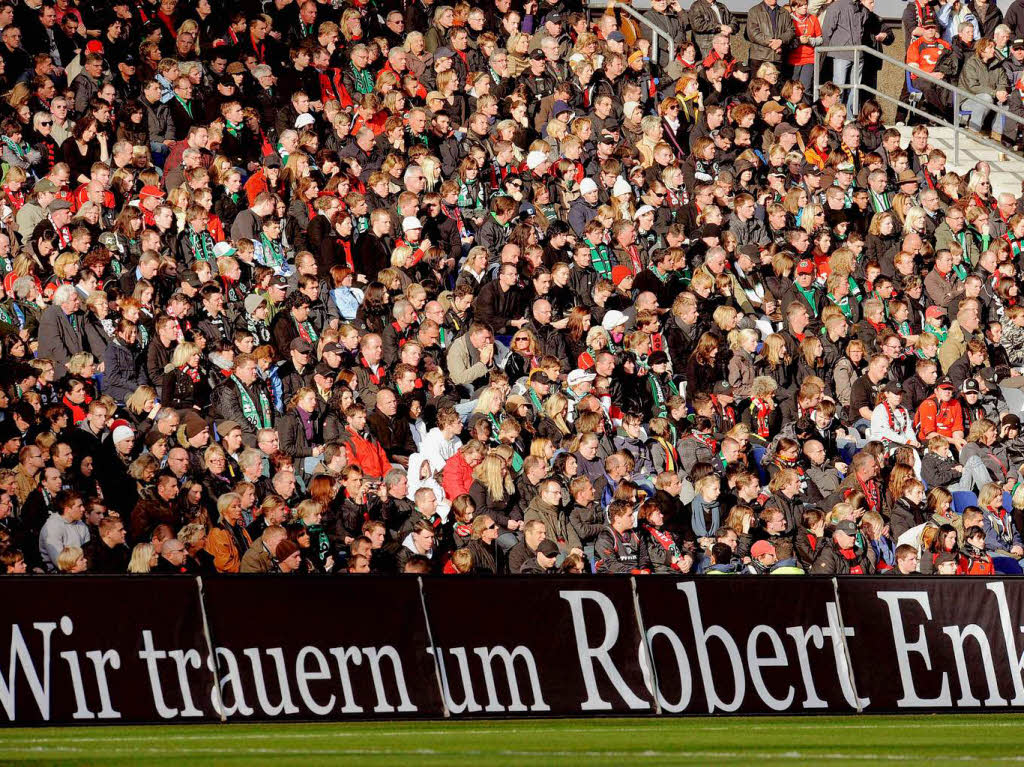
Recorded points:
(367, 287)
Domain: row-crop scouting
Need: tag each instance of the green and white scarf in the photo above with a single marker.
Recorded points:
(258, 417)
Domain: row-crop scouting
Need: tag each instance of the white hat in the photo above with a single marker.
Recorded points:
(642, 210)
(534, 159)
(122, 432)
(411, 222)
(621, 186)
(628, 107)
(587, 186)
(578, 376)
(303, 120)
(223, 249)
(613, 319)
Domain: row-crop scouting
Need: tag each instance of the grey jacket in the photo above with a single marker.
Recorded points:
(761, 31)
(59, 340)
(844, 25)
(673, 25)
(979, 77)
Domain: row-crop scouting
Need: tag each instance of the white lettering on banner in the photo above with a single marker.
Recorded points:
(777, 660)
(374, 655)
(1013, 657)
(230, 675)
(184, 661)
(588, 655)
(701, 636)
(21, 654)
(487, 657)
(801, 636)
(905, 648)
(343, 655)
(958, 636)
(468, 703)
(303, 676)
(682, 665)
(285, 706)
(151, 655)
(839, 634)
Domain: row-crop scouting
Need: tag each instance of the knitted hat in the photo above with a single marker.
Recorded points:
(122, 432)
(194, 424)
(619, 273)
(285, 548)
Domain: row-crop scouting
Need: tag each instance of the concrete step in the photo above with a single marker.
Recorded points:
(1007, 167)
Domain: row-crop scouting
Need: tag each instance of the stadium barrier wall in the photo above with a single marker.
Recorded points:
(98, 649)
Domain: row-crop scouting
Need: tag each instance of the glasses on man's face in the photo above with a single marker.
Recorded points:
(492, 526)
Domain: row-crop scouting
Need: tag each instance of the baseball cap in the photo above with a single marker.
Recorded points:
(280, 281)
(1018, 43)
(547, 548)
(236, 68)
(846, 526)
(1010, 420)
(642, 210)
(761, 548)
(772, 106)
(617, 37)
(934, 312)
(613, 319)
(300, 345)
(272, 160)
(970, 386)
(44, 185)
(944, 558)
(336, 348)
(945, 383)
(811, 170)
(540, 377)
(253, 302)
(223, 249)
(722, 387)
(805, 267)
(537, 55)
(782, 128)
(894, 387)
(411, 222)
(578, 376)
(150, 190)
(56, 205)
(657, 358)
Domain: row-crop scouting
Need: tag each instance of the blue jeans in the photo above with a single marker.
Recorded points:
(804, 73)
(976, 105)
(841, 72)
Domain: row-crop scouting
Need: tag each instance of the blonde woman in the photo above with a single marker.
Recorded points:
(184, 385)
(493, 493)
(144, 559)
(774, 361)
(553, 425)
(741, 366)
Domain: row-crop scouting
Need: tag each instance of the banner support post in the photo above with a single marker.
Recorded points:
(217, 702)
(652, 672)
(435, 652)
(846, 647)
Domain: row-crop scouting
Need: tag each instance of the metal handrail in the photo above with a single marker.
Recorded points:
(960, 96)
(637, 16)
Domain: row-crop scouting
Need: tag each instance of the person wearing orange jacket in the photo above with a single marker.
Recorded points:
(941, 414)
(361, 448)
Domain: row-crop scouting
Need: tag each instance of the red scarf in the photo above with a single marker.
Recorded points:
(191, 372)
(376, 376)
(870, 493)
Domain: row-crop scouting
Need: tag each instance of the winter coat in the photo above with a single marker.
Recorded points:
(556, 524)
(979, 77)
(618, 553)
(761, 31)
(59, 339)
(122, 374)
(832, 562)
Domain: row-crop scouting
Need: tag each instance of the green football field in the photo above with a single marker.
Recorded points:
(866, 740)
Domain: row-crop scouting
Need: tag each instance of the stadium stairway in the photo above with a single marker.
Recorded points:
(1007, 167)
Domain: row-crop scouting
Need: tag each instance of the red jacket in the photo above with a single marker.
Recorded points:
(456, 476)
(367, 454)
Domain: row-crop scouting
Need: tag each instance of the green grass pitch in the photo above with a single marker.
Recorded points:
(849, 741)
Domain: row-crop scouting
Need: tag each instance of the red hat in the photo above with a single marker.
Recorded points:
(760, 548)
(94, 46)
(805, 267)
(151, 191)
(619, 273)
(934, 313)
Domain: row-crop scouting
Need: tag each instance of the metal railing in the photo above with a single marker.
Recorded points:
(657, 32)
(961, 98)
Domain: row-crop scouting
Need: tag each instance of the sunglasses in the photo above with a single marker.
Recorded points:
(492, 526)
(44, 124)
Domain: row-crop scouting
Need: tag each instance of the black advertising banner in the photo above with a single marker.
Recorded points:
(940, 643)
(538, 646)
(84, 649)
(745, 645)
(290, 647)
(135, 649)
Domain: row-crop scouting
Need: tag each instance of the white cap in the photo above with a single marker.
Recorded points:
(621, 186)
(587, 186)
(303, 120)
(122, 432)
(223, 249)
(411, 222)
(642, 210)
(613, 319)
(629, 106)
(534, 159)
(578, 376)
